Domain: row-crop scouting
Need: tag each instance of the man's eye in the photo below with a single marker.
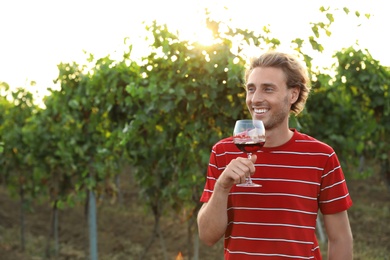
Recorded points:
(269, 89)
(251, 89)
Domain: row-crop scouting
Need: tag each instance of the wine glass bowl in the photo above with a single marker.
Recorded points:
(249, 137)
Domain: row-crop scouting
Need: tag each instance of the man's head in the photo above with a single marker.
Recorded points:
(295, 74)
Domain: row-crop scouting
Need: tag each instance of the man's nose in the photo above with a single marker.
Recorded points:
(257, 96)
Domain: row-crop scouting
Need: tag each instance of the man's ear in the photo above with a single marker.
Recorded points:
(294, 94)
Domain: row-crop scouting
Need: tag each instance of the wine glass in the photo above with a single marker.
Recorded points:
(249, 137)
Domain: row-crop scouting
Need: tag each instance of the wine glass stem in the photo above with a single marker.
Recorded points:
(249, 179)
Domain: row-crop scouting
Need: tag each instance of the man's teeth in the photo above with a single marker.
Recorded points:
(260, 111)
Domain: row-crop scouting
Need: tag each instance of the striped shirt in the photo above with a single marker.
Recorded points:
(278, 220)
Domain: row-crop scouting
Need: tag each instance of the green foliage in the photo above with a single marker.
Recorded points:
(15, 166)
(351, 110)
(4, 106)
(84, 119)
(367, 83)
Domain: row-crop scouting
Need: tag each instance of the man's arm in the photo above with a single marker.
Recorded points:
(340, 240)
(212, 217)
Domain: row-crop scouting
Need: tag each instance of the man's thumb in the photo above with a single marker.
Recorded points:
(254, 158)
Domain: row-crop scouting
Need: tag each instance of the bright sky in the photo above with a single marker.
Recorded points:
(37, 35)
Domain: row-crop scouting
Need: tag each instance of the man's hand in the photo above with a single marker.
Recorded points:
(236, 172)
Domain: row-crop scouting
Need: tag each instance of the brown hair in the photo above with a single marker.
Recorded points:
(296, 74)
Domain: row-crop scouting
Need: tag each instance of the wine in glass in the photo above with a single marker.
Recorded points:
(249, 137)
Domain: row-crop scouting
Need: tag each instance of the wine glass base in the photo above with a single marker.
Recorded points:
(248, 185)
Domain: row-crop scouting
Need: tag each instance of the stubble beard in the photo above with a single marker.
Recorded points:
(277, 119)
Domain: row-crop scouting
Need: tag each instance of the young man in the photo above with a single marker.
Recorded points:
(299, 176)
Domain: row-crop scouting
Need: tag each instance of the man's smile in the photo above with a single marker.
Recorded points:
(260, 110)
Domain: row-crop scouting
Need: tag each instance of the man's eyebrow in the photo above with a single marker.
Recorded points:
(250, 84)
(266, 84)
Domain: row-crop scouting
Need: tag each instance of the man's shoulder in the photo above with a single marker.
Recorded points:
(312, 142)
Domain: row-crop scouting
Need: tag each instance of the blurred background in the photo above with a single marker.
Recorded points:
(108, 111)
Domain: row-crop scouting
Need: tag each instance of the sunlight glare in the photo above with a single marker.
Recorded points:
(198, 33)
(204, 37)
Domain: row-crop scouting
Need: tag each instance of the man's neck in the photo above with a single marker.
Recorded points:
(278, 136)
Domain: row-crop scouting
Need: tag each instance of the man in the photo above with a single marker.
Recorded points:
(299, 176)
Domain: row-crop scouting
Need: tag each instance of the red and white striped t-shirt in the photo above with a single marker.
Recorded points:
(278, 220)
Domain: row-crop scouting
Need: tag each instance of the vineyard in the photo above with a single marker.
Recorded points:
(112, 164)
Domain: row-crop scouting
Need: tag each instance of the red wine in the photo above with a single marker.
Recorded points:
(250, 147)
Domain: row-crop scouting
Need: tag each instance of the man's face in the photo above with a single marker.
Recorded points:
(268, 98)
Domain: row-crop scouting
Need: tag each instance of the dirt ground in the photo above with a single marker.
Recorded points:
(124, 230)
